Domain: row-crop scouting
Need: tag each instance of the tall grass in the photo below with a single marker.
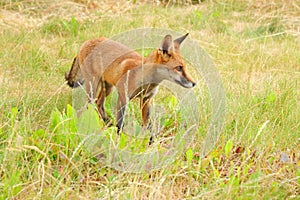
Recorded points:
(255, 46)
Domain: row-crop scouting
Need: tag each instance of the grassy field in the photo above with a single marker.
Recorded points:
(256, 48)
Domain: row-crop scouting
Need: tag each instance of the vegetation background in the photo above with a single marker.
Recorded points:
(256, 48)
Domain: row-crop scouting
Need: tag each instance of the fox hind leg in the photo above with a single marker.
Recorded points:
(106, 89)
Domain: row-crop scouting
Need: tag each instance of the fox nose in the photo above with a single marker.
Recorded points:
(193, 84)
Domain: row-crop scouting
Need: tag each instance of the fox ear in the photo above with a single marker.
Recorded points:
(179, 40)
(166, 45)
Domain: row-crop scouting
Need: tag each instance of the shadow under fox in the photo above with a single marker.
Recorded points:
(103, 63)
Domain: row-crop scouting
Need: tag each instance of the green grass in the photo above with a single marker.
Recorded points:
(255, 47)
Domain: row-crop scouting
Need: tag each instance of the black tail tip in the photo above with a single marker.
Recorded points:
(71, 84)
(75, 84)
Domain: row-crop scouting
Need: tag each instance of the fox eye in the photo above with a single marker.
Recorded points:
(179, 68)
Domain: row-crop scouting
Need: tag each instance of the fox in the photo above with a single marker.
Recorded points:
(102, 64)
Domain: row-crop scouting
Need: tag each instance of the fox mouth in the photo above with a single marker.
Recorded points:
(185, 84)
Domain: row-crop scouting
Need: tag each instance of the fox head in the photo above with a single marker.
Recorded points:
(169, 55)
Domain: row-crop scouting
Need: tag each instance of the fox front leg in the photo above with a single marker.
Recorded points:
(145, 107)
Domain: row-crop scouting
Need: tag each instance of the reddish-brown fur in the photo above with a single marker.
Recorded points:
(103, 63)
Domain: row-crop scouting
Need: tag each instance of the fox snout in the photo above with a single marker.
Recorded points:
(186, 83)
(185, 79)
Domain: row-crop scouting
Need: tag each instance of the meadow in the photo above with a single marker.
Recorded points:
(255, 46)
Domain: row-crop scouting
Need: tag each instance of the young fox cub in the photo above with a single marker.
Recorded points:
(105, 63)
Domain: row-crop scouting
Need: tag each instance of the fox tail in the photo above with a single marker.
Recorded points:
(73, 77)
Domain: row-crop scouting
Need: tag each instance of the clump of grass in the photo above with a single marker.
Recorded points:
(58, 26)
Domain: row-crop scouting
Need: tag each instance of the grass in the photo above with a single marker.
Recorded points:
(255, 47)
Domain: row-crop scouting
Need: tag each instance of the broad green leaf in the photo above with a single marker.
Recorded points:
(189, 156)
(122, 141)
(89, 121)
(228, 148)
(71, 119)
(55, 120)
(173, 102)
